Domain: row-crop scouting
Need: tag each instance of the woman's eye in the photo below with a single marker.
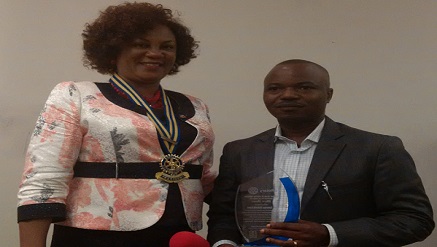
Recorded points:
(140, 45)
(168, 47)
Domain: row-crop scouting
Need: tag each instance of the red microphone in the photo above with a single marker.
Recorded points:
(187, 239)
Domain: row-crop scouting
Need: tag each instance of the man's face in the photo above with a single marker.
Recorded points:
(297, 93)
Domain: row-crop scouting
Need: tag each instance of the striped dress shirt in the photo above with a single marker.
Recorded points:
(294, 161)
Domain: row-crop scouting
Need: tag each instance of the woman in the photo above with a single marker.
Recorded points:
(123, 163)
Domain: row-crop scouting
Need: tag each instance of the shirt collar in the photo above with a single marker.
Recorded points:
(314, 136)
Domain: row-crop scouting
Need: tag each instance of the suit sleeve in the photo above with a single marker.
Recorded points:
(404, 213)
(51, 155)
(221, 223)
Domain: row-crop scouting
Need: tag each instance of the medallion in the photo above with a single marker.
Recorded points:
(172, 169)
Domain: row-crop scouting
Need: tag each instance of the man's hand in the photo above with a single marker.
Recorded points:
(301, 234)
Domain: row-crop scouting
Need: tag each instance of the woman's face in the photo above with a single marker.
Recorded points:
(148, 58)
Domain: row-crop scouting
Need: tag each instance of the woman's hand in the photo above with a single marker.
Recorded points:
(33, 233)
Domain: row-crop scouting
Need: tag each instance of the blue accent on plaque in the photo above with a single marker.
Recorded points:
(292, 212)
(293, 200)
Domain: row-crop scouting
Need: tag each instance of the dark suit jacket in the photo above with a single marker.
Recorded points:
(377, 196)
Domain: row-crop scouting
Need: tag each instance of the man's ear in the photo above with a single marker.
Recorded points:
(330, 93)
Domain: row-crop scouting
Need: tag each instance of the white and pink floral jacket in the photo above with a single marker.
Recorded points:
(78, 123)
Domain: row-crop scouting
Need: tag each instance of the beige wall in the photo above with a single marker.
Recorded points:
(382, 56)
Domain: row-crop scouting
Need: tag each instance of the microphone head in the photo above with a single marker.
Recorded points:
(187, 239)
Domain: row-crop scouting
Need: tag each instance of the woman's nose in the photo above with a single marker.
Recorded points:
(154, 52)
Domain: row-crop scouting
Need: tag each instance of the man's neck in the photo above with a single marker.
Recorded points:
(298, 131)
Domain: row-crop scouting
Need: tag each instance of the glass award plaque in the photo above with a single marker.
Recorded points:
(254, 205)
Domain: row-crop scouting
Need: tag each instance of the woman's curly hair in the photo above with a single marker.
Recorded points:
(121, 24)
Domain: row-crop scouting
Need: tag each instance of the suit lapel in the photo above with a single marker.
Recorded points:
(263, 152)
(327, 151)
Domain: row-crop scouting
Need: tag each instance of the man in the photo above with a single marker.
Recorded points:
(356, 188)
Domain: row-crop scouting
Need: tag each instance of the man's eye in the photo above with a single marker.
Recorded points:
(273, 89)
(304, 88)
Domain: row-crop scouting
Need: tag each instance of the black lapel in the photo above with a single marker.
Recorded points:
(182, 106)
(263, 153)
(327, 151)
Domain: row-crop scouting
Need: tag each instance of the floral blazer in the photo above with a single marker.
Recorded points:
(78, 123)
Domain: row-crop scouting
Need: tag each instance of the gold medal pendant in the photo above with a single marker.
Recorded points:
(172, 169)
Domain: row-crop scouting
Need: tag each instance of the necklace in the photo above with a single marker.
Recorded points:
(155, 101)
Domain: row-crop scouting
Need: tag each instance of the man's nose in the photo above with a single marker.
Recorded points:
(290, 92)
